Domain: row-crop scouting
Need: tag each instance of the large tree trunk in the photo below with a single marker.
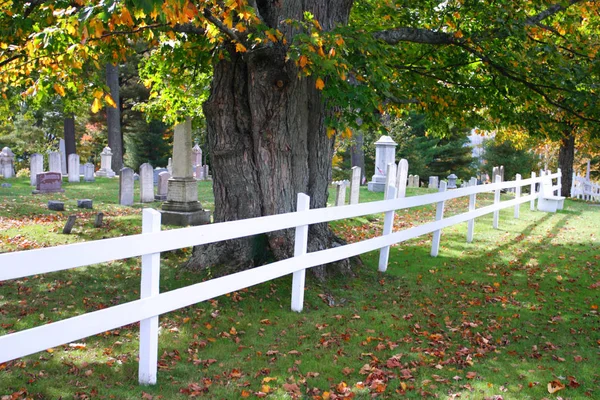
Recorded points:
(69, 134)
(357, 154)
(268, 142)
(113, 118)
(566, 157)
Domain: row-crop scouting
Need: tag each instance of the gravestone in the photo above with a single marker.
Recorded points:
(170, 166)
(6, 185)
(416, 181)
(105, 164)
(98, 220)
(182, 206)
(7, 160)
(197, 167)
(56, 205)
(73, 167)
(157, 171)
(85, 203)
(205, 171)
(126, 187)
(411, 180)
(54, 162)
(355, 185)
(146, 183)
(36, 166)
(48, 182)
(390, 178)
(199, 172)
(163, 184)
(501, 173)
(385, 153)
(88, 172)
(401, 176)
(63, 156)
(340, 193)
(433, 182)
(452, 181)
(69, 225)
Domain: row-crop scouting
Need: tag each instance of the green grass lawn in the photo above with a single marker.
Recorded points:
(502, 316)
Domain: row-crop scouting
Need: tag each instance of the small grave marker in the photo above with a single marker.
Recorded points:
(69, 225)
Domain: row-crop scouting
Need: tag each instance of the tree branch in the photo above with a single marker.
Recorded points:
(222, 27)
(414, 35)
(550, 11)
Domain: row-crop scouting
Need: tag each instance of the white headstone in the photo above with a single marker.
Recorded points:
(401, 176)
(163, 184)
(385, 153)
(170, 166)
(88, 172)
(63, 156)
(7, 159)
(340, 193)
(126, 187)
(73, 168)
(433, 182)
(105, 164)
(197, 162)
(36, 166)
(54, 162)
(355, 185)
(146, 183)
(390, 178)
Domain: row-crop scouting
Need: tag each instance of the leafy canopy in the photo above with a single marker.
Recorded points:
(462, 62)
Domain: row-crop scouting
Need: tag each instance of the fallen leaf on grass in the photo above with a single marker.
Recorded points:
(555, 386)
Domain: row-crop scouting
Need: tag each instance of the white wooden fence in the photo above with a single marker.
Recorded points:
(153, 241)
(585, 189)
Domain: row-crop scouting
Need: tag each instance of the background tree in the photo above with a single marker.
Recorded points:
(515, 160)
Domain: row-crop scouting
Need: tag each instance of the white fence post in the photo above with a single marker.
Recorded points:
(532, 192)
(401, 178)
(559, 182)
(517, 195)
(149, 287)
(300, 245)
(439, 215)
(388, 226)
(471, 222)
(497, 179)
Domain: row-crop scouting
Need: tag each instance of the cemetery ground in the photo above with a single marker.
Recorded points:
(499, 318)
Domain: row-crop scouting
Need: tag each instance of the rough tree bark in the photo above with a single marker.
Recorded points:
(113, 118)
(566, 157)
(268, 142)
(69, 134)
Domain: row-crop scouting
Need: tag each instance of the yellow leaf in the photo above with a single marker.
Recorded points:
(97, 93)
(109, 100)
(302, 61)
(96, 105)
(50, 350)
(265, 388)
(59, 89)
(240, 48)
(240, 27)
(268, 379)
(347, 133)
(320, 84)
(320, 51)
(126, 17)
(330, 132)
(555, 386)
(339, 41)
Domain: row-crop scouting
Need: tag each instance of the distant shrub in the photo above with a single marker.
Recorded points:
(23, 172)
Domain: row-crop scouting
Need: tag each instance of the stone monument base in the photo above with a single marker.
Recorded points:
(105, 174)
(376, 187)
(183, 218)
(160, 197)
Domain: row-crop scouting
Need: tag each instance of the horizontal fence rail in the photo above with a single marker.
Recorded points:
(152, 242)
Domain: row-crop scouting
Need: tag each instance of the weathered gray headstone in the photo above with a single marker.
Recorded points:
(205, 171)
(88, 172)
(416, 181)
(36, 166)
(54, 162)
(385, 153)
(7, 160)
(69, 225)
(98, 220)
(85, 203)
(157, 171)
(146, 183)
(105, 164)
(48, 182)
(433, 182)
(355, 185)
(163, 184)
(126, 187)
(411, 180)
(56, 205)
(6, 185)
(73, 167)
